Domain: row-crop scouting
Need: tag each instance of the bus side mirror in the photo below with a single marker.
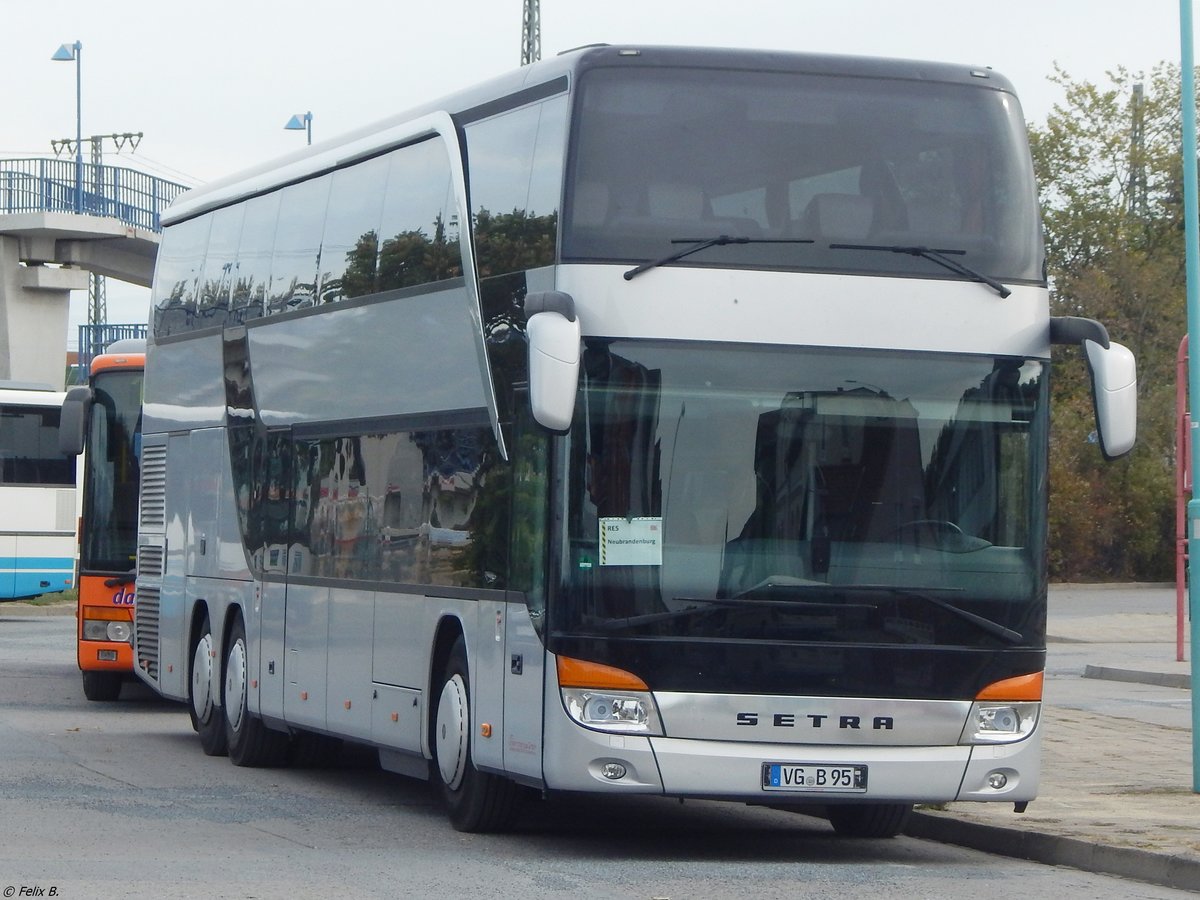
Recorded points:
(72, 423)
(1114, 389)
(554, 334)
(1114, 381)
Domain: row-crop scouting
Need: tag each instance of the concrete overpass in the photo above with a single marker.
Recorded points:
(52, 237)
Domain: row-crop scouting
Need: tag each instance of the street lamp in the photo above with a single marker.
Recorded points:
(300, 123)
(67, 53)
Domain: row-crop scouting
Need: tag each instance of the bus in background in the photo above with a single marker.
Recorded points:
(645, 421)
(37, 494)
(101, 424)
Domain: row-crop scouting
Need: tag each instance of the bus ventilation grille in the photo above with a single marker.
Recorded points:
(146, 623)
(154, 487)
(150, 561)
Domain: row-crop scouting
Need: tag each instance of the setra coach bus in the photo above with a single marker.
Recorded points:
(645, 421)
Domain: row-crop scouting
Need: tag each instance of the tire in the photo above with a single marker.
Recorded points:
(102, 686)
(202, 707)
(869, 820)
(476, 801)
(251, 743)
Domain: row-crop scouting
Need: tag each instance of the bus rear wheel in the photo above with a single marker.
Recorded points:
(476, 801)
(202, 705)
(869, 820)
(251, 743)
(102, 686)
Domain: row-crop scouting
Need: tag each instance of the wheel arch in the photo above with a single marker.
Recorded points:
(449, 629)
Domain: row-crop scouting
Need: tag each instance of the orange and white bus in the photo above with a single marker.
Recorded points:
(102, 423)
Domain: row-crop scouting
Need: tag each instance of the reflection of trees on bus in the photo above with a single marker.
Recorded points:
(506, 242)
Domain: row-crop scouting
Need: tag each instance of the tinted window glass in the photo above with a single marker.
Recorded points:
(426, 507)
(253, 269)
(216, 280)
(419, 230)
(816, 172)
(180, 260)
(350, 245)
(516, 163)
(296, 259)
(29, 447)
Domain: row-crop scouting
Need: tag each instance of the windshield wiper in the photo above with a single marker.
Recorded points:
(992, 628)
(783, 585)
(651, 618)
(719, 604)
(698, 244)
(938, 256)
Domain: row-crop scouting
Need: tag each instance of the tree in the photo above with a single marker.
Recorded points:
(1108, 163)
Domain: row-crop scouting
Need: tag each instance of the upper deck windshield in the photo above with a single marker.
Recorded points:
(744, 494)
(858, 166)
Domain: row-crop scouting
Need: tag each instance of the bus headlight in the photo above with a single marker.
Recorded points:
(107, 630)
(606, 698)
(634, 713)
(1000, 723)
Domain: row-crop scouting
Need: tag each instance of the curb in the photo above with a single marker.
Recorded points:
(1051, 849)
(1159, 679)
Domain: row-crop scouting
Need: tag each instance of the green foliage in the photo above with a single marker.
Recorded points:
(1111, 189)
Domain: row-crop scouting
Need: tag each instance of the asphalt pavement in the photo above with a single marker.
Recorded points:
(1117, 792)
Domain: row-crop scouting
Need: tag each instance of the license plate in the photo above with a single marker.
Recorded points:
(814, 777)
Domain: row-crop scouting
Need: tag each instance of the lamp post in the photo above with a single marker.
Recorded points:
(67, 53)
(300, 123)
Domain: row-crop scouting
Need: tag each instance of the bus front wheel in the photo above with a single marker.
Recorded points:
(869, 820)
(102, 686)
(201, 704)
(476, 801)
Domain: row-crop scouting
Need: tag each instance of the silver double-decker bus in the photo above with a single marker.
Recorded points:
(644, 421)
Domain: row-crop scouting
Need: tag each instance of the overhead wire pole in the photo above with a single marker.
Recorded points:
(531, 33)
(1191, 212)
(97, 287)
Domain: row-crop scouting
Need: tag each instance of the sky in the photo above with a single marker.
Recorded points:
(211, 84)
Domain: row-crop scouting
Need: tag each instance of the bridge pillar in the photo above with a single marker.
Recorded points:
(34, 308)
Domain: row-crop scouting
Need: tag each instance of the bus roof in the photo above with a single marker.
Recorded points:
(474, 102)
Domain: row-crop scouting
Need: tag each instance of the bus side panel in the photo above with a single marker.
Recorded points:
(487, 684)
(348, 705)
(298, 364)
(8, 565)
(43, 563)
(268, 700)
(306, 638)
(174, 614)
(523, 688)
(400, 652)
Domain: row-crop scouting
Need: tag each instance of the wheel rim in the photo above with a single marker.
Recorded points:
(202, 679)
(451, 731)
(235, 684)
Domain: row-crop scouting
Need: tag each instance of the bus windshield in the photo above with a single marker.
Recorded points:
(803, 171)
(109, 536)
(860, 497)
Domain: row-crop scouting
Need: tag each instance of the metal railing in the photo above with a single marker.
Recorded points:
(48, 185)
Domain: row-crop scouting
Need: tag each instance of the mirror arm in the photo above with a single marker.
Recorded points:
(1076, 330)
